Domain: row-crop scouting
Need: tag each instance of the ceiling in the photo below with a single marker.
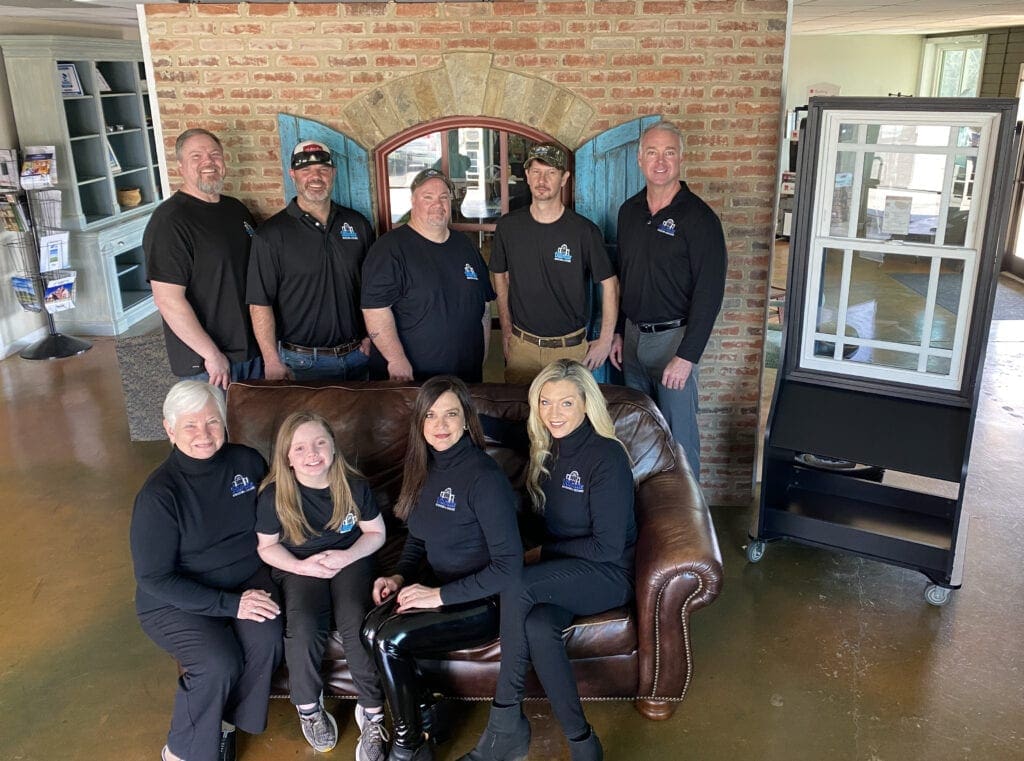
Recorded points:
(809, 16)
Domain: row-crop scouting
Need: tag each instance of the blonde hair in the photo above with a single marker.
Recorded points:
(540, 438)
(295, 527)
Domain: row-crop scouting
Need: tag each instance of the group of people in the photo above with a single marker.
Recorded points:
(311, 293)
(223, 546)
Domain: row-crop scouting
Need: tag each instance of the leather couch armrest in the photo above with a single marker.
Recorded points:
(678, 570)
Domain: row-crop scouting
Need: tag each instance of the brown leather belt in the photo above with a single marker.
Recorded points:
(329, 351)
(550, 343)
(658, 327)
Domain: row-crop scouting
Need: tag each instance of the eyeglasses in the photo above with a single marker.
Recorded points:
(309, 158)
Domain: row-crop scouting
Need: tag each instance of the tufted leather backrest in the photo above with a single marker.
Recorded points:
(371, 422)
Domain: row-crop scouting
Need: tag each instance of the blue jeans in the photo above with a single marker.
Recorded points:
(251, 369)
(351, 366)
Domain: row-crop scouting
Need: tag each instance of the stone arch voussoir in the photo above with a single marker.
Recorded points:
(467, 84)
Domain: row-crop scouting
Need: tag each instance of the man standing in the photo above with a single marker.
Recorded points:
(543, 259)
(304, 276)
(672, 264)
(425, 293)
(197, 256)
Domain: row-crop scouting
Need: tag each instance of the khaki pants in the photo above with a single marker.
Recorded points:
(526, 360)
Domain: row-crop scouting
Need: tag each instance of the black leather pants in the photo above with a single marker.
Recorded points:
(395, 640)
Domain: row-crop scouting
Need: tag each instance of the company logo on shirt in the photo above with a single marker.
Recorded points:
(446, 499)
(572, 482)
(347, 524)
(470, 273)
(563, 254)
(240, 485)
(348, 232)
(249, 230)
(668, 227)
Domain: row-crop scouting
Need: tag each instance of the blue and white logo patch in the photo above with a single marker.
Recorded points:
(572, 482)
(240, 485)
(347, 524)
(668, 227)
(563, 254)
(249, 229)
(348, 232)
(470, 273)
(446, 499)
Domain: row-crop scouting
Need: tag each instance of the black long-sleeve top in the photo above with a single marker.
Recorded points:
(465, 523)
(672, 265)
(193, 537)
(588, 511)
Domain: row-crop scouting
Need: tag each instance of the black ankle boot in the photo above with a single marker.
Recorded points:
(435, 719)
(506, 738)
(422, 753)
(587, 749)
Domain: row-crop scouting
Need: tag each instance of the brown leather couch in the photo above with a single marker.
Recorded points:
(639, 653)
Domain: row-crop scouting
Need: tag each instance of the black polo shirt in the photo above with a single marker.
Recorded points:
(310, 274)
(437, 293)
(205, 248)
(672, 265)
(550, 266)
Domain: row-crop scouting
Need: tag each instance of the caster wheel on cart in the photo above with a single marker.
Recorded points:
(936, 595)
(755, 551)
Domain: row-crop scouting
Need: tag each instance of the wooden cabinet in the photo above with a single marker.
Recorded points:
(104, 136)
(98, 117)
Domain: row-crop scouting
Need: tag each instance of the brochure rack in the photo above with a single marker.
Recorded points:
(43, 290)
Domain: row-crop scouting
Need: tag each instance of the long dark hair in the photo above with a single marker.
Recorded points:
(417, 456)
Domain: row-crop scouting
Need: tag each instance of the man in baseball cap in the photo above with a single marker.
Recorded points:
(544, 259)
(305, 276)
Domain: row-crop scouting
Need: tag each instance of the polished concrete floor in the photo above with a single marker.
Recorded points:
(808, 655)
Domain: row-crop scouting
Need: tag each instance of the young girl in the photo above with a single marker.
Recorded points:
(318, 527)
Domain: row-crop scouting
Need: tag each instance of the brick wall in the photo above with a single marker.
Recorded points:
(368, 70)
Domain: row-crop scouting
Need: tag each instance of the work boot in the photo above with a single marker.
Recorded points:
(506, 738)
(587, 749)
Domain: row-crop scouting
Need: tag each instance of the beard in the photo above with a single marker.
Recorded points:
(311, 195)
(211, 185)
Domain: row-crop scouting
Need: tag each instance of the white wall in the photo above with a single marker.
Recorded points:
(18, 327)
(872, 65)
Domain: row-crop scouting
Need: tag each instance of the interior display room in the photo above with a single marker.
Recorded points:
(570, 69)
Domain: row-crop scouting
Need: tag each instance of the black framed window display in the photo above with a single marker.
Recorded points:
(900, 215)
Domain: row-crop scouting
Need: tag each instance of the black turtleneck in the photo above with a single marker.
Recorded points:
(589, 507)
(465, 523)
(193, 536)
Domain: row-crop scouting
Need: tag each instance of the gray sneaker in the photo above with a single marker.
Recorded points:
(373, 737)
(320, 730)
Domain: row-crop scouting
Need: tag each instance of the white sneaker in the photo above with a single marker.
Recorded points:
(373, 737)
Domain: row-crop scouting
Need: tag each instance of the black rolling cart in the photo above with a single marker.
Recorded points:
(901, 213)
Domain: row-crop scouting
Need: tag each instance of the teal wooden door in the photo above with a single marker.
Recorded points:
(352, 161)
(607, 173)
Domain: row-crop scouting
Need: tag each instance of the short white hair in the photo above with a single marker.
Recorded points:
(190, 396)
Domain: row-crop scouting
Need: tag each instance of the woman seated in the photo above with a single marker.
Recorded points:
(579, 477)
(318, 527)
(461, 514)
(203, 594)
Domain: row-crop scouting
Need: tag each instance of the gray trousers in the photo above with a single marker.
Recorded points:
(644, 357)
